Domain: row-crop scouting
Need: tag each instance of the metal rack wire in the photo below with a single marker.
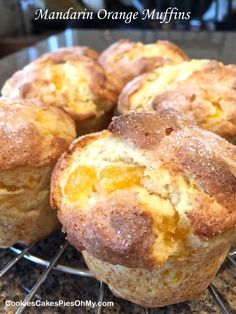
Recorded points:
(83, 272)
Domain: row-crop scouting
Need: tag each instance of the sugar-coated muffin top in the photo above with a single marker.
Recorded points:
(32, 134)
(67, 79)
(125, 59)
(202, 90)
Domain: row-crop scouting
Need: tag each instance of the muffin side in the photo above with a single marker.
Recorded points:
(32, 139)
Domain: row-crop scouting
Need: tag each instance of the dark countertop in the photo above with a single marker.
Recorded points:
(13, 286)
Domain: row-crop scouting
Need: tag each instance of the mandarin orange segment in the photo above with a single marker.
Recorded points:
(80, 184)
(171, 230)
(218, 113)
(41, 117)
(116, 177)
(57, 77)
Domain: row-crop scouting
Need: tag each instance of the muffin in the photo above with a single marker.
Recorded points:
(124, 60)
(70, 81)
(32, 137)
(151, 205)
(202, 90)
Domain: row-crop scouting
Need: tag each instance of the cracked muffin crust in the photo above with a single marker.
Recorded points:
(124, 60)
(64, 53)
(32, 137)
(151, 205)
(71, 79)
(202, 90)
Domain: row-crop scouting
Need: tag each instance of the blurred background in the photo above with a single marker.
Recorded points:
(18, 29)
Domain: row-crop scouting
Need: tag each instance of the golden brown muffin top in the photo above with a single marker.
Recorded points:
(32, 134)
(202, 90)
(125, 59)
(68, 80)
(153, 188)
(198, 153)
(65, 53)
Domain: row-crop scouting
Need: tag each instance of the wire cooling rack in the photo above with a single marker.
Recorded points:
(22, 252)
